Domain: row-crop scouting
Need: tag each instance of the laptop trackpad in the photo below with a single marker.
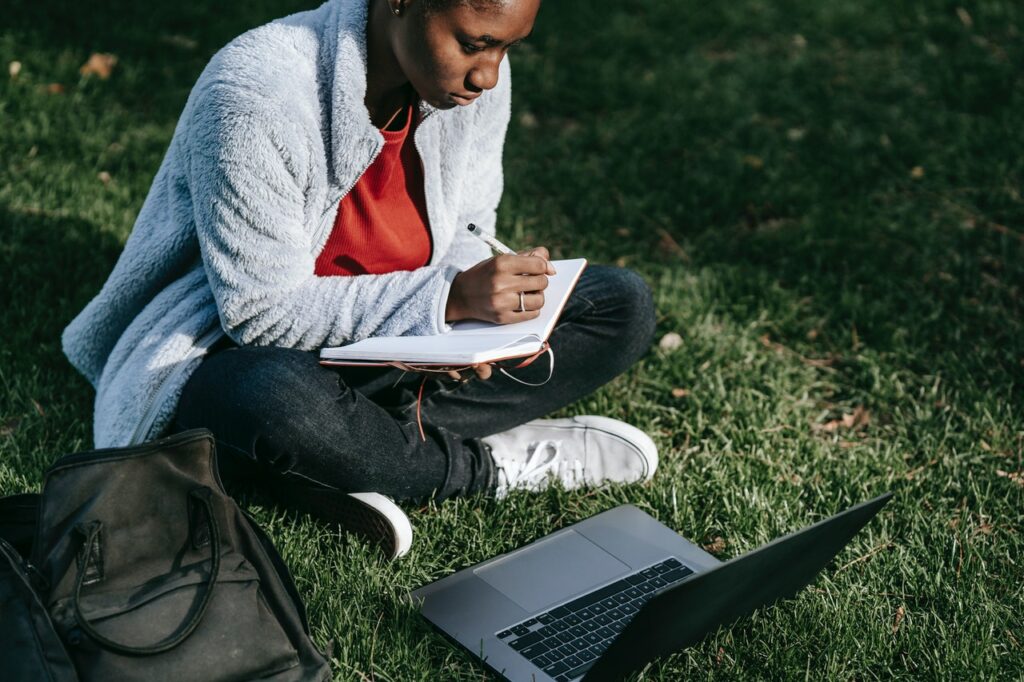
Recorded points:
(550, 570)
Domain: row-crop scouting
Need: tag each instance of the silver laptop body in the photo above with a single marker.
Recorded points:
(607, 594)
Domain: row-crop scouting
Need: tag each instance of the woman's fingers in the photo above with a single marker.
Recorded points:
(522, 283)
(490, 290)
(540, 252)
(533, 301)
(482, 371)
(515, 264)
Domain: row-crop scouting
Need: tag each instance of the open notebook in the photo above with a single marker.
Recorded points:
(471, 341)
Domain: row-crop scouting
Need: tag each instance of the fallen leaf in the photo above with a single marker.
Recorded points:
(795, 134)
(104, 177)
(812, 334)
(39, 408)
(668, 243)
(799, 42)
(622, 261)
(14, 68)
(767, 342)
(719, 655)
(1015, 476)
(755, 162)
(55, 89)
(915, 471)
(985, 446)
(178, 40)
(898, 619)
(917, 172)
(716, 545)
(10, 426)
(965, 17)
(857, 419)
(100, 64)
(528, 120)
(623, 231)
(680, 393)
(670, 341)
(830, 361)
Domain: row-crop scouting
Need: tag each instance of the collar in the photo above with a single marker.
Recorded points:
(353, 136)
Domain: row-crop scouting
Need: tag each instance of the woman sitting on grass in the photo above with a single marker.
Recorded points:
(316, 192)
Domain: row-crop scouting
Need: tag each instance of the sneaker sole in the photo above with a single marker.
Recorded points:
(371, 516)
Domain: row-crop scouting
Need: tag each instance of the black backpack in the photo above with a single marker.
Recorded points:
(141, 567)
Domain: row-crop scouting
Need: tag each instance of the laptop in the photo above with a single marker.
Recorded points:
(603, 597)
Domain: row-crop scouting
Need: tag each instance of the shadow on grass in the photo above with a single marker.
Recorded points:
(50, 265)
(161, 46)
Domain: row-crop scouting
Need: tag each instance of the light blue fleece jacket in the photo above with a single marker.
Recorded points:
(273, 135)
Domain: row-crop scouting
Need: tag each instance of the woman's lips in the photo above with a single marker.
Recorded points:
(462, 100)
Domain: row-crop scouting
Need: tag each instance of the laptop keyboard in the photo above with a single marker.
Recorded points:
(567, 640)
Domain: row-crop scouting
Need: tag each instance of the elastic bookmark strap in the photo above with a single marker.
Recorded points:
(419, 406)
(528, 361)
(427, 371)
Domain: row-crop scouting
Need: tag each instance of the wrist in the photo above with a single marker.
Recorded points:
(452, 309)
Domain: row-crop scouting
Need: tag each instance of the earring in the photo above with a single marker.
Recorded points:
(397, 9)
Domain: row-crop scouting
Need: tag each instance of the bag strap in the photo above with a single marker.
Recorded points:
(91, 530)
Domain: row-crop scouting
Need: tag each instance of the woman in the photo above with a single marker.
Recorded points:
(316, 192)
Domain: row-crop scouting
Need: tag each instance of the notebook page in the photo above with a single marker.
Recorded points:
(439, 348)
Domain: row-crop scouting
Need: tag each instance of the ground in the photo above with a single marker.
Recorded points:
(825, 197)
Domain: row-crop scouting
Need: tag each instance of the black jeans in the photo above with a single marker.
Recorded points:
(276, 412)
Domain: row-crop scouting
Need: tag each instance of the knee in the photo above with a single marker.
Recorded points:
(248, 389)
(633, 305)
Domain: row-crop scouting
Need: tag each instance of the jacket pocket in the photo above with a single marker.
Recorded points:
(238, 638)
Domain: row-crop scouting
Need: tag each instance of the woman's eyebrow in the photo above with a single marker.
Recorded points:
(491, 41)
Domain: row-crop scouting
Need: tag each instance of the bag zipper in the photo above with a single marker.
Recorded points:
(332, 206)
(31, 575)
(419, 152)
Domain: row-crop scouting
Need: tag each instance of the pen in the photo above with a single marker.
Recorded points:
(489, 240)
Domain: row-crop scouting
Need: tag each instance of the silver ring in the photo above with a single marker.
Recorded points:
(522, 304)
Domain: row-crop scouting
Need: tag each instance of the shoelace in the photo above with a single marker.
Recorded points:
(543, 460)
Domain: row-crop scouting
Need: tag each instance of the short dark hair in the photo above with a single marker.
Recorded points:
(432, 6)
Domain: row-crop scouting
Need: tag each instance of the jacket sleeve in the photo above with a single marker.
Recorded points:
(484, 177)
(246, 183)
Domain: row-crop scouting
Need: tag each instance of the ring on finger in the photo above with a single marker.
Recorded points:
(522, 304)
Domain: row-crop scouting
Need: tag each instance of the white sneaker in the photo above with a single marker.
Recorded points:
(371, 516)
(579, 451)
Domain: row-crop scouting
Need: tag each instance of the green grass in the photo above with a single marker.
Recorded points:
(755, 161)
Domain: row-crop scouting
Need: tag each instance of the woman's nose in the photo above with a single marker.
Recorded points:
(483, 76)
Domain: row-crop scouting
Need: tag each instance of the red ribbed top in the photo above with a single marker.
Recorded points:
(381, 224)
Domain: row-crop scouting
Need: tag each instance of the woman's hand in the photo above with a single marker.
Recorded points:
(490, 290)
(483, 371)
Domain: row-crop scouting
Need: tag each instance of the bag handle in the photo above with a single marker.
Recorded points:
(201, 494)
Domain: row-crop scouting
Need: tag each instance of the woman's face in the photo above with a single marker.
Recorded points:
(452, 56)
